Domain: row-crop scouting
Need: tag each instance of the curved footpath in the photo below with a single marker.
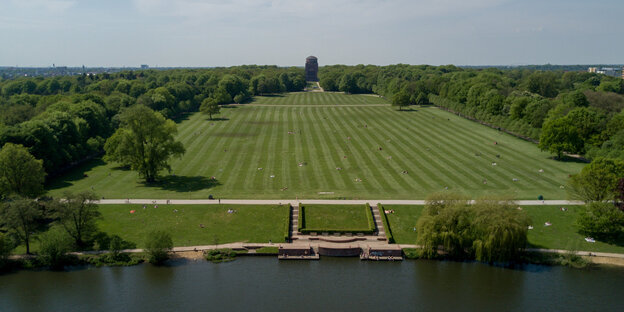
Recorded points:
(296, 202)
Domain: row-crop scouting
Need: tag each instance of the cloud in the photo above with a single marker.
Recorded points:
(52, 6)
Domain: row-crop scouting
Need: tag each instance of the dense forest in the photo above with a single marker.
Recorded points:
(65, 120)
(570, 112)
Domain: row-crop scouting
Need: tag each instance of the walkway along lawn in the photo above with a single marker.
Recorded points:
(193, 225)
(333, 152)
(562, 234)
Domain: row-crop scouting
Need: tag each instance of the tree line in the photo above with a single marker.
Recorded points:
(569, 112)
(64, 120)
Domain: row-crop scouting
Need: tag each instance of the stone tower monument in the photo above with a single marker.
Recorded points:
(311, 68)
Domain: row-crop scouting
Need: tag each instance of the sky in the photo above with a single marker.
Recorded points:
(206, 33)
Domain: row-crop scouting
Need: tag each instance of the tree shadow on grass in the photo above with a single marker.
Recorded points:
(571, 159)
(409, 110)
(181, 117)
(217, 119)
(183, 183)
(75, 174)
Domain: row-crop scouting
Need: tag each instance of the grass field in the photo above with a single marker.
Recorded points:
(337, 217)
(324, 99)
(562, 234)
(254, 224)
(308, 151)
(403, 221)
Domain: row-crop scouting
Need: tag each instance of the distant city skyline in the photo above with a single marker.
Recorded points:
(208, 33)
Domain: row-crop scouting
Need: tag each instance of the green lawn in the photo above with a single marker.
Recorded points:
(254, 224)
(307, 151)
(315, 98)
(402, 222)
(337, 217)
(562, 234)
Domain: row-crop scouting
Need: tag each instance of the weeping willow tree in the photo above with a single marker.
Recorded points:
(444, 226)
(489, 230)
(500, 230)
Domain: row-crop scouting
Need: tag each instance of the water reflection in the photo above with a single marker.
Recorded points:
(332, 284)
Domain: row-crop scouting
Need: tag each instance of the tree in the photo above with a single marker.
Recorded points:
(77, 215)
(158, 245)
(22, 217)
(400, 99)
(490, 230)
(422, 99)
(597, 181)
(145, 142)
(210, 106)
(559, 136)
(20, 172)
(500, 231)
(53, 249)
(6, 247)
(602, 221)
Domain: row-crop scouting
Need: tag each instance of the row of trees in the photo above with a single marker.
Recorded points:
(65, 120)
(569, 112)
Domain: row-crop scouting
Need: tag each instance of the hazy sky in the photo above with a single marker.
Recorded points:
(284, 32)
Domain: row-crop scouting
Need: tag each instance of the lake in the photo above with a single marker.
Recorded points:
(331, 284)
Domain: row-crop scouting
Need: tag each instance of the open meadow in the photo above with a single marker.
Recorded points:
(325, 145)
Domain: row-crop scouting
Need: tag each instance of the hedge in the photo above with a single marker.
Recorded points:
(384, 219)
(301, 218)
(287, 232)
(369, 216)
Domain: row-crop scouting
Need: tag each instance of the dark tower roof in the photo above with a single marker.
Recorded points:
(311, 58)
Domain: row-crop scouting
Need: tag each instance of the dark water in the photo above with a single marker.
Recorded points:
(331, 284)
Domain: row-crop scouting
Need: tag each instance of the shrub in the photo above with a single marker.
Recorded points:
(158, 245)
(369, 217)
(413, 253)
(287, 225)
(53, 249)
(219, 255)
(301, 219)
(6, 246)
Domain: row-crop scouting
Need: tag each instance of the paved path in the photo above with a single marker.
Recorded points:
(295, 202)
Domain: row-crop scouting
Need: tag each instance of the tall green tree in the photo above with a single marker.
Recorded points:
(210, 106)
(602, 221)
(77, 215)
(23, 218)
(597, 181)
(158, 245)
(400, 99)
(560, 136)
(145, 141)
(20, 172)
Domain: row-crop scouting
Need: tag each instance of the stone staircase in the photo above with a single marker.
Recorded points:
(294, 222)
(381, 232)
